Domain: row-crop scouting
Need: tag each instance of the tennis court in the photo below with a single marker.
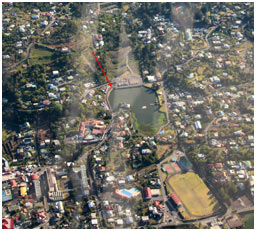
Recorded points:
(171, 168)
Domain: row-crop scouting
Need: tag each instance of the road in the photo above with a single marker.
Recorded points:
(195, 54)
(29, 48)
(208, 46)
(167, 217)
(207, 128)
(166, 108)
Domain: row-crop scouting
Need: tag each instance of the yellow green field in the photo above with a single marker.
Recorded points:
(161, 150)
(194, 194)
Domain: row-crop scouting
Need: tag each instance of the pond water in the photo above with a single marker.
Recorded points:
(137, 97)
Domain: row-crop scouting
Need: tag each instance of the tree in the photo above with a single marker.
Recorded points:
(56, 111)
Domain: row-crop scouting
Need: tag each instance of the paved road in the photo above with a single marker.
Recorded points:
(207, 128)
(208, 46)
(166, 108)
(29, 48)
(167, 203)
(195, 55)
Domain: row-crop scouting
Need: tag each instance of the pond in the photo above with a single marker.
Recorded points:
(142, 101)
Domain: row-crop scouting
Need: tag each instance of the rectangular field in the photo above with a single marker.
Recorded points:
(194, 194)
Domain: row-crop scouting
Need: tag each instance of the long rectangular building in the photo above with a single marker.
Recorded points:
(80, 181)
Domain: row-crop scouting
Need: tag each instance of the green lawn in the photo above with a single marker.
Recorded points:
(40, 56)
(249, 221)
(40, 53)
(194, 194)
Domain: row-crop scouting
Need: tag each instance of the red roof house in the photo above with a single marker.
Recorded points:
(34, 177)
(147, 193)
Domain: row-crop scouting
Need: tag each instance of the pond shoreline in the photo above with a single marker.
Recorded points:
(152, 119)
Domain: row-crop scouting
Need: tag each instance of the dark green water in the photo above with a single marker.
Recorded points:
(137, 97)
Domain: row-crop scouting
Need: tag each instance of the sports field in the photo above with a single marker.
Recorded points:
(194, 194)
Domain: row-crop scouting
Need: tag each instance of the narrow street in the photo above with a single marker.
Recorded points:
(29, 48)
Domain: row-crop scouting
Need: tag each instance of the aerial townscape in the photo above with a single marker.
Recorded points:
(127, 115)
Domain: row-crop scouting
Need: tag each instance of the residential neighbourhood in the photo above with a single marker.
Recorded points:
(154, 131)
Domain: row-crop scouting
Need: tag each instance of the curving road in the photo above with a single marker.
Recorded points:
(29, 48)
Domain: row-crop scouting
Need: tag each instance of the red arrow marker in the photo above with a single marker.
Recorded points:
(109, 83)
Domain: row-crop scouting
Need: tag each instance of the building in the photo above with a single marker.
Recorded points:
(155, 192)
(158, 76)
(234, 222)
(23, 191)
(7, 223)
(7, 194)
(58, 205)
(51, 180)
(147, 193)
(53, 191)
(175, 199)
(151, 78)
(80, 181)
(41, 217)
(198, 125)
(37, 189)
(188, 35)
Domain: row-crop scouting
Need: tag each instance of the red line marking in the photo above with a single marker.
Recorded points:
(109, 83)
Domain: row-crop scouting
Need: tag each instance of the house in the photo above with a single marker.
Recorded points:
(35, 16)
(46, 102)
(234, 222)
(8, 223)
(44, 23)
(6, 57)
(55, 73)
(147, 193)
(64, 50)
(155, 192)
(146, 151)
(119, 222)
(184, 135)
(197, 125)
(58, 205)
(191, 76)
(94, 222)
(151, 78)
(129, 220)
(23, 191)
(41, 216)
(158, 76)
(188, 35)
(145, 219)
(250, 139)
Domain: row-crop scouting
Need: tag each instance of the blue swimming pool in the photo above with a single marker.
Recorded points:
(126, 193)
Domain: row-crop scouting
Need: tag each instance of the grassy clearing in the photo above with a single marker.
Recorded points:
(125, 74)
(164, 176)
(40, 53)
(161, 99)
(133, 64)
(148, 85)
(199, 45)
(126, 7)
(161, 120)
(161, 150)
(169, 131)
(249, 221)
(194, 194)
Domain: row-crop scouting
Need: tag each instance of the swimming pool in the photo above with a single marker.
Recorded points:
(126, 193)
